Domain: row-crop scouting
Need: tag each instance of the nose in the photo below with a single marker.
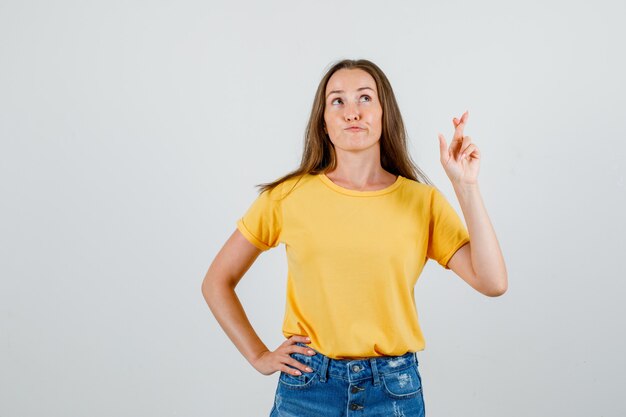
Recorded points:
(352, 113)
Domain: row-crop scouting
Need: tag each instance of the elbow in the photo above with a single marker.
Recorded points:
(497, 290)
(207, 288)
(204, 287)
(210, 293)
(206, 291)
(213, 288)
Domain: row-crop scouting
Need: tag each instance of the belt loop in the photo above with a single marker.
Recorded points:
(375, 371)
(324, 367)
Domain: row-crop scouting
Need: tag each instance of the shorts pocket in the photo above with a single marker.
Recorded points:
(303, 381)
(403, 384)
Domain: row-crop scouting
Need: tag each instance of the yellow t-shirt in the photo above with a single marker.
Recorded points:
(354, 258)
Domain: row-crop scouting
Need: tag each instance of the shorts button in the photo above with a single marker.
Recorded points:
(356, 368)
(354, 406)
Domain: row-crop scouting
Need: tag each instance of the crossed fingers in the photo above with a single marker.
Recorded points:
(461, 146)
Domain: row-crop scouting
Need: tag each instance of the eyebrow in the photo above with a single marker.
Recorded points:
(341, 91)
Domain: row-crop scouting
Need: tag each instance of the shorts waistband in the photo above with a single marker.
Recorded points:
(354, 370)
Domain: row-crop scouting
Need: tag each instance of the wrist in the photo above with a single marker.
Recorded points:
(258, 356)
(465, 187)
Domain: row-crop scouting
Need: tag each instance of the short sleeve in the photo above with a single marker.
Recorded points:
(262, 222)
(447, 232)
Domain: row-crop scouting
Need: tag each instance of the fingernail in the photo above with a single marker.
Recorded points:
(308, 338)
(311, 352)
(309, 370)
(298, 373)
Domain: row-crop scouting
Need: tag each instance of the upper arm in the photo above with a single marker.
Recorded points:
(232, 261)
(461, 264)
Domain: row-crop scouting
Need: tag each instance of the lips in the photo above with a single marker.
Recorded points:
(354, 129)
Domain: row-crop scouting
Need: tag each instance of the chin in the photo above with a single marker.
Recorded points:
(354, 142)
(357, 146)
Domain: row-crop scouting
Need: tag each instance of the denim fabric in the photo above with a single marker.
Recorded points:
(389, 386)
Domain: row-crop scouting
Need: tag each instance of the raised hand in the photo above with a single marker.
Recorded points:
(462, 159)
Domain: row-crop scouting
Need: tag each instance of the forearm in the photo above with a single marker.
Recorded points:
(487, 259)
(227, 309)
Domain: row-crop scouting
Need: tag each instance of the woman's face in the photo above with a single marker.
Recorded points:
(352, 101)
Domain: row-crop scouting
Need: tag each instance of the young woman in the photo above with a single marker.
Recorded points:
(359, 220)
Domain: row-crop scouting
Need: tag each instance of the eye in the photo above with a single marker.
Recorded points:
(333, 102)
(368, 97)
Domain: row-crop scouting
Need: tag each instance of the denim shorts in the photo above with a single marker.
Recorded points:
(376, 386)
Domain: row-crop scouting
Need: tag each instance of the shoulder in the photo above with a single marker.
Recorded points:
(297, 184)
(286, 187)
(418, 188)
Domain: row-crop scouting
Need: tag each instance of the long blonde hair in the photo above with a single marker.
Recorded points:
(319, 152)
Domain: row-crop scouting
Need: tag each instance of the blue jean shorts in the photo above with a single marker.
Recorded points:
(376, 386)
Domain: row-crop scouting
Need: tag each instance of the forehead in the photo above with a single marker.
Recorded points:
(350, 79)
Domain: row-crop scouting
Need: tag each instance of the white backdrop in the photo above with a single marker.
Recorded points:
(132, 134)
